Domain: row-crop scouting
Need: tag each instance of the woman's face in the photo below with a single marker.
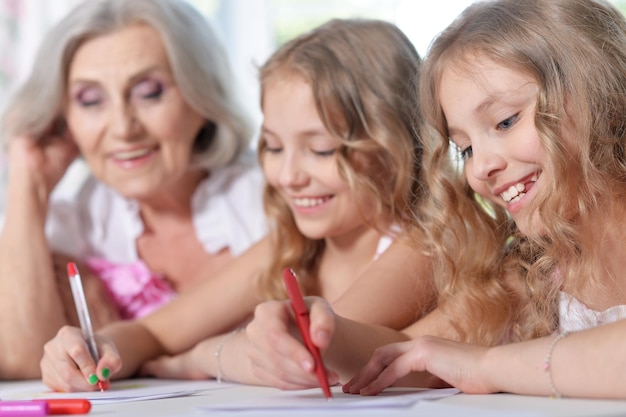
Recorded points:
(300, 162)
(127, 115)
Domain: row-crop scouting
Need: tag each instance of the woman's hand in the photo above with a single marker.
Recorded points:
(42, 162)
(453, 363)
(278, 356)
(102, 309)
(67, 365)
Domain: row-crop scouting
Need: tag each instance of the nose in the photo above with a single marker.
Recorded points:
(292, 172)
(123, 122)
(486, 161)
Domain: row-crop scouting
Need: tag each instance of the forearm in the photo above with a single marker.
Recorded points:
(31, 311)
(587, 364)
(135, 344)
(353, 343)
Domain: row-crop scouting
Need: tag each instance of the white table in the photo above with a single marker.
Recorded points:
(456, 405)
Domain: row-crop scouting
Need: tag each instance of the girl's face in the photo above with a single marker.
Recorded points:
(127, 115)
(490, 112)
(300, 162)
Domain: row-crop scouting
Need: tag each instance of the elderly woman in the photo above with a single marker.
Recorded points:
(142, 91)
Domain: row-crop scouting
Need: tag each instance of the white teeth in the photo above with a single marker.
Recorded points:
(308, 202)
(515, 192)
(132, 154)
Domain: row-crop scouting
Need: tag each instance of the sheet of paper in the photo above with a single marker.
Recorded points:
(120, 391)
(435, 408)
(314, 399)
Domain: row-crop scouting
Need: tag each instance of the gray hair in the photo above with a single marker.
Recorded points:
(198, 60)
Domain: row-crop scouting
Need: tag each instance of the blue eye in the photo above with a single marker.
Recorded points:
(508, 123)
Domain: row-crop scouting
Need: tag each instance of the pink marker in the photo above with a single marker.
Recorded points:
(23, 408)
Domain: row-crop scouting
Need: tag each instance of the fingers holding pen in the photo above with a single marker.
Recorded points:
(67, 364)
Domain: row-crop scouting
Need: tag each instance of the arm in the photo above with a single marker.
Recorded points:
(212, 307)
(31, 309)
(589, 364)
(391, 294)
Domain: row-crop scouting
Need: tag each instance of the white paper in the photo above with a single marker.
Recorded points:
(314, 399)
(120, 391)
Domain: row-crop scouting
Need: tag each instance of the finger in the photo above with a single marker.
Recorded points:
(110, 361)
(380, 359)
(398, 368)
(58, 365)
(322, 323)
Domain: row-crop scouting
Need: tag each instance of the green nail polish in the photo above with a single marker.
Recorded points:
(105, 373)
(93, 379)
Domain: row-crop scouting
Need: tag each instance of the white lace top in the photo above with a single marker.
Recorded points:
(574, 315)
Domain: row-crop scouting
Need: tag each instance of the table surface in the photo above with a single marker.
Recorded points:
(456, 405)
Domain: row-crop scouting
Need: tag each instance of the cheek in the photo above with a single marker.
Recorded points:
(270, 170)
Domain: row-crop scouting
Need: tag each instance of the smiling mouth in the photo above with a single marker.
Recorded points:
(310, 202)
(515, 192)
(129, 155)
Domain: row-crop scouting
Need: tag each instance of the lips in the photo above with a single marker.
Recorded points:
(515, 192)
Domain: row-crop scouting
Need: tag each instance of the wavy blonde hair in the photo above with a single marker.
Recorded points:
(575, 50)
(363, 75)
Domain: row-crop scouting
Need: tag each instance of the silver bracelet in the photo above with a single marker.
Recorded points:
(547, 364)
(218, 352)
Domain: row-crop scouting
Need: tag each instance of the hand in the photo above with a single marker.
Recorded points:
(278, 356)
(102, 309)
(182, 366)
(67, 365)
(454, 363)
(43, 162)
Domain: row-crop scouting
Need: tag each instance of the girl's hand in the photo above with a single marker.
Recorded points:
(182, 366)
(457, 364)
(67, 365)
(277, 355)
(102, 309)
(43, 162)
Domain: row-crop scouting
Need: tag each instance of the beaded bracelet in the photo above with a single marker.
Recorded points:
(547, 364)
(218, 352)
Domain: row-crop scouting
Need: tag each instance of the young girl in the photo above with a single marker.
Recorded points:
(340, 156)
(535, 108)
(527, 238)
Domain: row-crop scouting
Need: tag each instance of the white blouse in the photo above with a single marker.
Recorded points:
(96, 221)
(575, 316)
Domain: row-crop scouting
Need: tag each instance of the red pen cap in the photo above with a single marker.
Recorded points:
(69, 406)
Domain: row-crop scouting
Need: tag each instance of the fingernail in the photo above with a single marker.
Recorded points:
(93, 379)
(106, 372)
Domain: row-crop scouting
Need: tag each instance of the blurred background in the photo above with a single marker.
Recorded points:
(250, 29)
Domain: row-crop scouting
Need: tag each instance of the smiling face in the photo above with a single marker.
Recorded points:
(300, 161)
(490, 114)
(127, 115)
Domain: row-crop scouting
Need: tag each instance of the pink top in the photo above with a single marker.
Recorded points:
(136, 290)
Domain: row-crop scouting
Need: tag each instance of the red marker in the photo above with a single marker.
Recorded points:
(68, 406)
(302, 318)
